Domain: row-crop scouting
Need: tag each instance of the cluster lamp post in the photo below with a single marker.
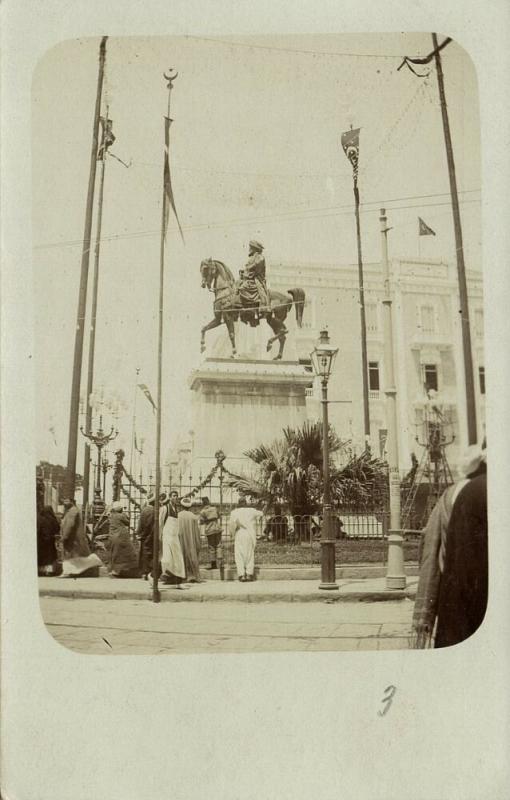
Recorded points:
(100, 439)
(323, 357)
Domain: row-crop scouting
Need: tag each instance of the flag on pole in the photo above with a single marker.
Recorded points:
(167, 183)
(423, 229)
(147, 394)
(107, 137)
(350, 144)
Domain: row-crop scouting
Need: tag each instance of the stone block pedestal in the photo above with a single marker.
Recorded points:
(239, 404)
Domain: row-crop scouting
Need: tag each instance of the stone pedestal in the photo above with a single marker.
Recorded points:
(239, 404)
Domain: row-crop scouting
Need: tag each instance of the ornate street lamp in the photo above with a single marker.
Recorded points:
(100, 439)
(323, 357)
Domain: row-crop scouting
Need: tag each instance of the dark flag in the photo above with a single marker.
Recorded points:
(167, 183)
(350, 144)
(147, 394)
(423, 229)
(107, 137)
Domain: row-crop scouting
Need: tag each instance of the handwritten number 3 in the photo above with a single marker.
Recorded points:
(389, 694)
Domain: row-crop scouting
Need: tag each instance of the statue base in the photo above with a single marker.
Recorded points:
(239, 404)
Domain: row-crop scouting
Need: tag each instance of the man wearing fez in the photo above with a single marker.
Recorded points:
(145, 534)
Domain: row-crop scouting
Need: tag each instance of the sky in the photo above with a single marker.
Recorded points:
(255, 153)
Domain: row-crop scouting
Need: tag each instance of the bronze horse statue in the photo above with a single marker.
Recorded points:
(228, 306)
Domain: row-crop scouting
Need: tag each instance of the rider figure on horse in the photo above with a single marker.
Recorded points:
(252, 286)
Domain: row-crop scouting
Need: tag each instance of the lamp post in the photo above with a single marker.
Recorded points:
(323, 357)
(100, 439)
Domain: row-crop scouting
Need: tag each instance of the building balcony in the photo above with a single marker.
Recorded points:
(422, 338)
(446, 399)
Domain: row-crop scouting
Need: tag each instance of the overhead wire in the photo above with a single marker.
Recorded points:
(289, 216)
(299, 51)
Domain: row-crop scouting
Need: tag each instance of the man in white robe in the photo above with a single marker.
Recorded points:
(244, 524)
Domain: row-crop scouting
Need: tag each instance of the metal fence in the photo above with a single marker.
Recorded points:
(280, 535)
(306, 528)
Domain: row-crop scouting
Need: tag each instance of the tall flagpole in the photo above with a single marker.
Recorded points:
(156, 595)
(93, 318)
(350, 144)
(82, 296)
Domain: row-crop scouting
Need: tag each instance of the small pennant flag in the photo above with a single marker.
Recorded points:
(147, 394)
(423, 229)
(168, 199)
(107, 137)
(350, 144)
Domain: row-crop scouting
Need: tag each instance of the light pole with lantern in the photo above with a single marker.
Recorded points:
(100, 439)
(323, 357)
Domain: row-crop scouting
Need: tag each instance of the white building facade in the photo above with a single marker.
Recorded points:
(427, 346)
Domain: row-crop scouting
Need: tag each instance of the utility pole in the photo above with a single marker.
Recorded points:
(463, 294)
(395, 575)
(82, 296)
(93, 317)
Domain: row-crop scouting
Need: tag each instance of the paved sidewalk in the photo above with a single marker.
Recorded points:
(260, 591)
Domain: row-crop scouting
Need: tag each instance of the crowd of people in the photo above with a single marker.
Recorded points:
(451, 597)
(64, 548)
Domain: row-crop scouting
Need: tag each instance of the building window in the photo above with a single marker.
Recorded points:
(481, 379)
(371, 317)
(430, 377)
(373, 376)
(427, 319)
(479, 322)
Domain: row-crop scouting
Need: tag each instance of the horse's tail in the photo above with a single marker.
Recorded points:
(298, 298)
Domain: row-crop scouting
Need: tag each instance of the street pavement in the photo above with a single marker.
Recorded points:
(130, 626)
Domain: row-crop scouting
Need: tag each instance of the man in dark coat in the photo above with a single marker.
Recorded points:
(145, 533)
(464, 584)
(209, 517)
(78, 560)
(123, 561)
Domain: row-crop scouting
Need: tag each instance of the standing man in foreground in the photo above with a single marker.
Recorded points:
(243, 524)
(464, 584)
(189, 535)
(210, 519)
(145, 534)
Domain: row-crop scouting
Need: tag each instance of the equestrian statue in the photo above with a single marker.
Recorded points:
(248, 299)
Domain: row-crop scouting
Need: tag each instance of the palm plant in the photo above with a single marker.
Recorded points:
(289, 470)
(361, 483)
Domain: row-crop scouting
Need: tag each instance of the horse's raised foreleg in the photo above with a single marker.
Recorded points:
(214, 323)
